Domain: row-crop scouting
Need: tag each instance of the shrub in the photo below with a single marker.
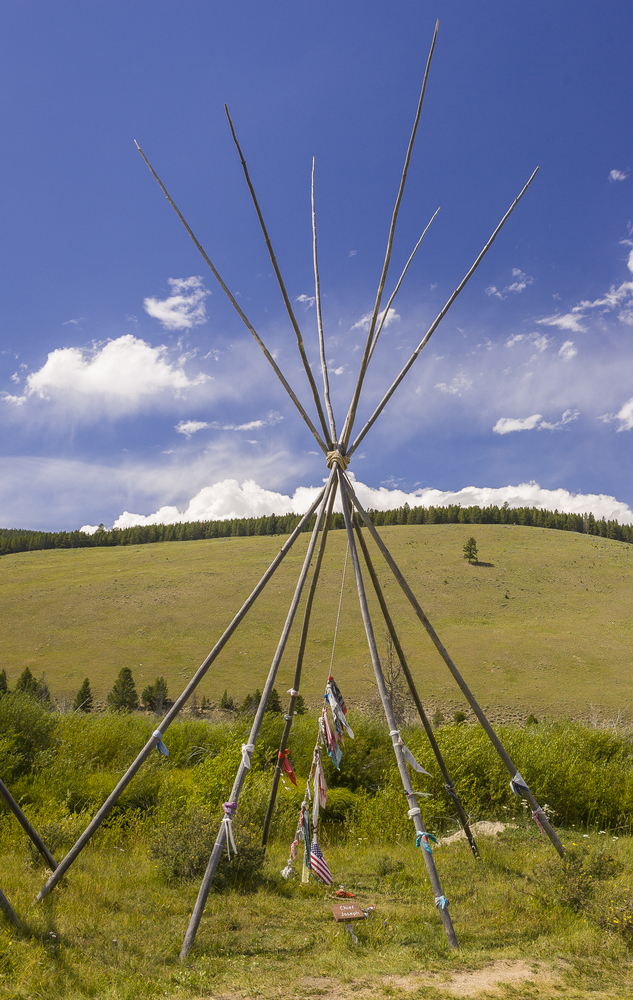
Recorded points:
(27, 730)
(183, 844)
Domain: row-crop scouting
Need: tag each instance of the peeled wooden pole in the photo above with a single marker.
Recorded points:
(27, 827)
(282, 287)
(99, 817)
(440, 316)
(8, 910)
(351, 414)
(317, 296)
(247, 323)
(537, 812)
(298, 667)
(440, 901)
(218, 847)
(448, 782)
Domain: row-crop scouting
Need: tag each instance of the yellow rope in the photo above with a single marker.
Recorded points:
(335, 458)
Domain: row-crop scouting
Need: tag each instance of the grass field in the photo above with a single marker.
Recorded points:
(544, 624)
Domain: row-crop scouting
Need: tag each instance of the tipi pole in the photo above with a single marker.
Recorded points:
(517, 782)
(8, 910)
(247, 748)
(440, 316)
(271, 361)
(448, 782)
(317, 295)
(298, 667)
(99, 817)
(351, 414)
(27, 827)
(282, 287)
(385, 312)
(414, 811)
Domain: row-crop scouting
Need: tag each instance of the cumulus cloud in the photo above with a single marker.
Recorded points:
(617, 175)
(564, 321)
(229, 499)
(520, 283)
(364, 321)
(568, 351)
(124, 372)
(184, 308)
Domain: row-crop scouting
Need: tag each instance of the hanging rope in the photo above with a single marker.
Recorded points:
(338, 617)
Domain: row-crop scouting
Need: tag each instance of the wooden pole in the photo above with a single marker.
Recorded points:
(218, 847)
(99, 817)
(440, 901)
(282, 287)
(8, 910)
(537, 812)
(27, 827)
(349, 420)
(296, 683)
(317, 294)
(448, 782)
(385, 312)
(249, 326)
(440, 316)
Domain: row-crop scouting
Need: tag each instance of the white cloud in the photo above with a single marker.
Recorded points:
(617, 175)
(505, 425)
(461, 383)
(624, 417)
(564, 321)
(364, 321)
(123, 372)
(540, 340)
(520, 283)
(182, 309)
(189, 427)
(228, 499)
(568, 351)
(566, 418)
(306, 300)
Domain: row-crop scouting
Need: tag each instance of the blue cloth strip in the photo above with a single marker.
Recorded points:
(160, 746)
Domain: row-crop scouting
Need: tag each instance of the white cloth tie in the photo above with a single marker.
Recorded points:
(247, 749)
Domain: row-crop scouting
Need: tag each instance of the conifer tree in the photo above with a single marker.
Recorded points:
(123, 696)
(470, 550)
(83, 701)
(4, 686)
(26, 683)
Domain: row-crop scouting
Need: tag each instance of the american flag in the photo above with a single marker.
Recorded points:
(319, 864)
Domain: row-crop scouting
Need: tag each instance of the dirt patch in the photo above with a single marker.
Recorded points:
(485, 828)
(474, 983)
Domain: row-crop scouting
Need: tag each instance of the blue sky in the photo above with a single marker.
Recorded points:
(130, 385)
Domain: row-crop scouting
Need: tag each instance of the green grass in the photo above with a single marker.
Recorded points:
(114, 928)
(560, 643)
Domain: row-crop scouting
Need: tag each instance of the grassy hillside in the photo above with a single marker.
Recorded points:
(545, 625)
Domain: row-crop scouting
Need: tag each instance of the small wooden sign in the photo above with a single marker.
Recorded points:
(347, 911)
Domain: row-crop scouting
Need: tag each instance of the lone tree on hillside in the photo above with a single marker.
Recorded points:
(123, 696)
(470, 550)
(4, 686)
(83, 701)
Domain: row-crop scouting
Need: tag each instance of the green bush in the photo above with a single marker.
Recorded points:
(26, 732)
(183, 843)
